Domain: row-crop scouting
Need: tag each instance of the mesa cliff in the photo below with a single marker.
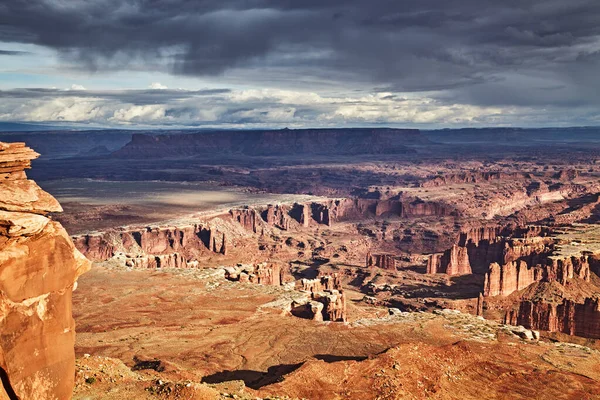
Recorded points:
(39, 267)
(275, 142)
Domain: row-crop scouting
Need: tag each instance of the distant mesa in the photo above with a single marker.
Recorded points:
(276, 142)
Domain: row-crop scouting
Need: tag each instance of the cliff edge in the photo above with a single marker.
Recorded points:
(39, 267)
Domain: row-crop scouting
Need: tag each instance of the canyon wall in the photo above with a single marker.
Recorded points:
(39, 267)
(580, 319)
(401, 205)
(141, 246)
(502, 280)
(477, 248)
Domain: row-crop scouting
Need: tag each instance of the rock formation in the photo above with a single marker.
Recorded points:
(328, 305)
(277, 216)
(262, 273)
(323, 282)
(385, 261)
(471, 177)
(39, 267)
(334, 305)
(189, 241)
(477, 248)
(581, 319)
(502, 280)
(454, 261)
(247, 217)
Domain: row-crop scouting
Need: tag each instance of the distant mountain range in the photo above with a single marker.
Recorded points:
(54, 141)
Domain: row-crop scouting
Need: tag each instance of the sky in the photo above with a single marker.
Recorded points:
(300, 63)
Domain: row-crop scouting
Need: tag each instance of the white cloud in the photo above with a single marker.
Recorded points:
(146, 114)
(77, 87)
(157, 86)
(264, 108)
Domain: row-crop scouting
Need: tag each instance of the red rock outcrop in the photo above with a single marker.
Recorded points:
(282, 216)
(190, 241)
(161, 261)
(321, 283)
(454, 261)
(402, 205)
(385, 261)
(39, 267)
(477, 248)
(433, 263)
(262, 273)
(334, 305)
(560, 269)
(580, 319)
(277, 216)
(471, 177)
(247, 217)
(329, 305)
(502, 280)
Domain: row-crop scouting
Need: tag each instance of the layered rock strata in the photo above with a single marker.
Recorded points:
(477, 248)
(502, 280)
(570, 317)
(39, 267)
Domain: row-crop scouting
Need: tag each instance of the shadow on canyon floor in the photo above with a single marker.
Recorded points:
(257, 379)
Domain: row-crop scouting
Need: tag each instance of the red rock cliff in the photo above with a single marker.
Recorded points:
(580, 319)
(39, 267)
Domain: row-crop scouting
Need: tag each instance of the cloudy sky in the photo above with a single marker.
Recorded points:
(277, 63)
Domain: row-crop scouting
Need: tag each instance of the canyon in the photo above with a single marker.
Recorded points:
(350, 257)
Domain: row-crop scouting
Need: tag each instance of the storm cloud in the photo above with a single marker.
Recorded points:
(529, 54)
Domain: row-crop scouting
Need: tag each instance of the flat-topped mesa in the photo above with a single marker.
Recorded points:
(560, 269)
(570, 317)
(284, 142)
(39, 267)
(220, 234)
(385, 261)
(17, 193)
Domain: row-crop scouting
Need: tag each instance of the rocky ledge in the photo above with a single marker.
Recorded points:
(39, 267)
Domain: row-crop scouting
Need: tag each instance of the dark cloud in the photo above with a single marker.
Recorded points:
(137, 97)
(13, 53)
(475, 51)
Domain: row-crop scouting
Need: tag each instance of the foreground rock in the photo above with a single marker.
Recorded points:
(39, 267)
